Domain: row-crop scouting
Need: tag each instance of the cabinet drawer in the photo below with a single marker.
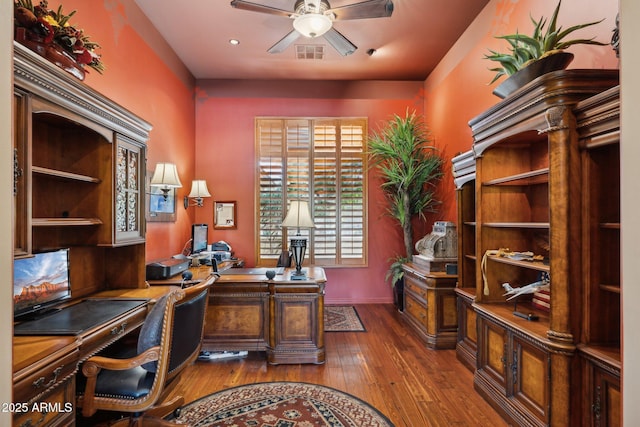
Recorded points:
(416, 310)
(53, 409)
(32, 385)
(97, 339)
(412, 285)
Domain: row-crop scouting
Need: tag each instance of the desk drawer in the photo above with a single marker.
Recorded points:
(55, 408)
(94, 340)
(41, 380)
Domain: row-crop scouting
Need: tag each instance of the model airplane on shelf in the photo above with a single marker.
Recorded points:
(528, 289)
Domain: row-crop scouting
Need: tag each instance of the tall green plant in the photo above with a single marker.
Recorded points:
(410, 168)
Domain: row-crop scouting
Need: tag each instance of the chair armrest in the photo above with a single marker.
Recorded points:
(94, 364)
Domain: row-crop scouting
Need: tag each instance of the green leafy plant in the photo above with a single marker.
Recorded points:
(545, 40)
(410, 167)
(395, 272)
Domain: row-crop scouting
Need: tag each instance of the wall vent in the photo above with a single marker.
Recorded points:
(309, 51)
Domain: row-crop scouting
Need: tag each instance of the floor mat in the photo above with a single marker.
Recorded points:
(342, 318)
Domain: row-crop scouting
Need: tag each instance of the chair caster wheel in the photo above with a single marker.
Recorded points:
(177, 412)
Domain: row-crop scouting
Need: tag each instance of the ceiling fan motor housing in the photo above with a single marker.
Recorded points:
(301, 7)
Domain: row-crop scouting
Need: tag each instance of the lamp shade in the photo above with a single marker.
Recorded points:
(199, 189)
(312, 24)
(166, 176)
(298, 215)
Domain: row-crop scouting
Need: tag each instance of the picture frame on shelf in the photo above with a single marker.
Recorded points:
(224, 215)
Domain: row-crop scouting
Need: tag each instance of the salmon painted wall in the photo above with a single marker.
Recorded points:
(145, 76)
(225, 157)
(458, 89)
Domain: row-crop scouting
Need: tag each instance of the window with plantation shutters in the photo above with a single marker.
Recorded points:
(322, 161)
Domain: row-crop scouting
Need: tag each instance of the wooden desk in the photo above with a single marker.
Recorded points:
(283, 317)
(44, 367)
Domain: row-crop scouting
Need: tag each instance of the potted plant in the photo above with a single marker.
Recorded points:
(532, 56)
(410, 168)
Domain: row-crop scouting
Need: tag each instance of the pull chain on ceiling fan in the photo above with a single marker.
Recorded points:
(314, 18)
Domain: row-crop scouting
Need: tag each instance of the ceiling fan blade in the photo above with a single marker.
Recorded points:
(363, 10)
(285, 42)
(340, 42)
(254, 7)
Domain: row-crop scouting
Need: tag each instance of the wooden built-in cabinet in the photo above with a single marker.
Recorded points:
(598, 121)
(79, 174)
(430, 305)
(464, 172)
(544, 184)
(80, 162)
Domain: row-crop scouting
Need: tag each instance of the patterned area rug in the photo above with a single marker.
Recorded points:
(338, 318)
(281, 404)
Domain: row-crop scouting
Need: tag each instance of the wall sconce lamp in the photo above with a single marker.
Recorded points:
(298, 217)
(166, 177)
(198, 191)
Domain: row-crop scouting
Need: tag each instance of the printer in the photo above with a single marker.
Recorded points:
(166, 268)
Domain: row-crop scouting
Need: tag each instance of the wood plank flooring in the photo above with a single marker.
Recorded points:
(387, 366)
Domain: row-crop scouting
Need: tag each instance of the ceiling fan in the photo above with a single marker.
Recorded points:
(314, 18)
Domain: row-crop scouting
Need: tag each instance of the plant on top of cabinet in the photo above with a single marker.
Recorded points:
(410, 168)
(532, 56)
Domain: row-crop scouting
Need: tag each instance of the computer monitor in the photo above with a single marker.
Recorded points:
(40, 282)
(199, 236)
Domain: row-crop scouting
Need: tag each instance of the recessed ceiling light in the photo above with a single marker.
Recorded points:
(234, 42)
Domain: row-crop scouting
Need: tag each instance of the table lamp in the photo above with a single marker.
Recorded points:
(298, 217)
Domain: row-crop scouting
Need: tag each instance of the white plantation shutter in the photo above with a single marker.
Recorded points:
(270, 135)
(322, 161)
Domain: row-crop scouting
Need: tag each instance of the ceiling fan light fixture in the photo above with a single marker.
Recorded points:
(312, 24)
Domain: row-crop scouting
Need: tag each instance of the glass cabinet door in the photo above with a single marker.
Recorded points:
(129, 195)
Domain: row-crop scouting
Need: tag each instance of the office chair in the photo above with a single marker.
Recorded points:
(170, 339)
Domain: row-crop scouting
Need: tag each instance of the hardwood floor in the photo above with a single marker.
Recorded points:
(387, 366)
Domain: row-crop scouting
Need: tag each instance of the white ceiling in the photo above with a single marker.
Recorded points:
(408, 45)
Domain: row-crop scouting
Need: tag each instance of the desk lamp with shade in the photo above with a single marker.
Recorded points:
(298, 217)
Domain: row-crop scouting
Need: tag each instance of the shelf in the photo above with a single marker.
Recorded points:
(65, 222)
(610, 225)
(470, 223)
(503, 313)
(535, 225)
(539, 176)
(64, 175)
(533, 265)
(608, 354)
(471, 257)
(610, 288)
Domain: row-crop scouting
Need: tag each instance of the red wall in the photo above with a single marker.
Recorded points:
(225, 157)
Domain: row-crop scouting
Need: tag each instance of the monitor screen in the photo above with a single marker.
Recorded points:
(40, 281)
(199, 236)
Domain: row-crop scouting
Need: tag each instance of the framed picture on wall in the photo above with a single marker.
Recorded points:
(224, 215)
(159, 207)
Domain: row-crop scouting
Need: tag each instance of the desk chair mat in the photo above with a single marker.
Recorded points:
(75, 319)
